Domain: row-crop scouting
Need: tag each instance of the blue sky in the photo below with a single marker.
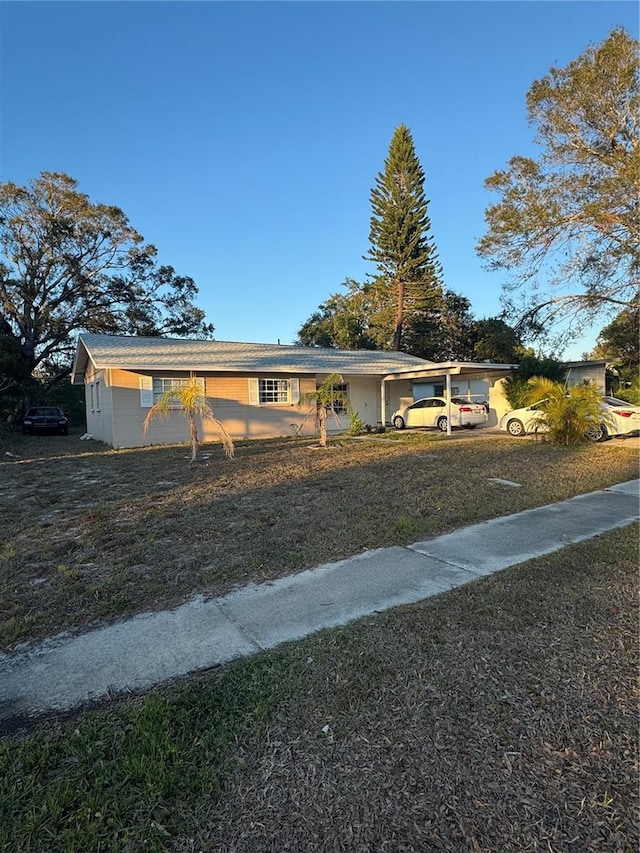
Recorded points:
(243, 138)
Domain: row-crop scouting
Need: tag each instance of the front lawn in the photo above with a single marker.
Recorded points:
(91, 534)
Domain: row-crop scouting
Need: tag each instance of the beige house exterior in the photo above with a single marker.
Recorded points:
(254, 389)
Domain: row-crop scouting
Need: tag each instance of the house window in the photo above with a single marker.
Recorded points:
(339, 405)
(273, 391)
(163, 386)
(439, 390)
(265, 392)
(97, 396)
(93, 405)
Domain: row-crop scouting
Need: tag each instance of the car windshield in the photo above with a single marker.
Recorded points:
(46, 411)
(615, 403)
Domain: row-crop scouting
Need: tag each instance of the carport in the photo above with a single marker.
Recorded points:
(442, 373)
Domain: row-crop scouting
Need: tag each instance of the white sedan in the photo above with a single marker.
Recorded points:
(525, 421)
(433, 412)
(622, 418)
(626, 418)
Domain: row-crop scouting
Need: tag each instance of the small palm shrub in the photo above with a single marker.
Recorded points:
(570, 415)
(191, 401)
(324, 398)
(356, 424)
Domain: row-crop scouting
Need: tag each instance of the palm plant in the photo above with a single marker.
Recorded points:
(190, 399)
(569, 415)
(325, 398)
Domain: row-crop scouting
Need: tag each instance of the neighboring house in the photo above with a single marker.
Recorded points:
(586, 373)
(254, 389)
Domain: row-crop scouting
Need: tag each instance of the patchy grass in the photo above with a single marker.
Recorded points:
(500, 716)
(92, 534)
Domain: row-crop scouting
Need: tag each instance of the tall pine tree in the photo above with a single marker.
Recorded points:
(401, 246)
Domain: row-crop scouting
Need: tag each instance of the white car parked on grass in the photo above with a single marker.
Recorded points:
(433, 412)
(621, 419)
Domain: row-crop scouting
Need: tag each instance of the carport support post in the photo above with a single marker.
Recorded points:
(383, 408)
(448, 384)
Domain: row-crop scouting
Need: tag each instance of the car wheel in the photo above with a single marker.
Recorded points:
(515, 428)
(64, 432)
(398, 422)
(442, 424)
(471, 426)
(598, 434)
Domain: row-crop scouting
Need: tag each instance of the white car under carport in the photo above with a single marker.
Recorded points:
(432, 412)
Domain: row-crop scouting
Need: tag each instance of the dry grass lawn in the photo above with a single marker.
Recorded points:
(500, 717)
(91, 534)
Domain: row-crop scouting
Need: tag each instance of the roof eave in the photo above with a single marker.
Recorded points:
(452, 368)
(80, 362)
(216, 368)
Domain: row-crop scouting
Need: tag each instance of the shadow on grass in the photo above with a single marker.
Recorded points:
(96, 534)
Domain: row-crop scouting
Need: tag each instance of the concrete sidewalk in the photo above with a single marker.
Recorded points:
(66, 671)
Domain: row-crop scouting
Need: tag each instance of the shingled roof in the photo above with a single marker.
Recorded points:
(139, 353)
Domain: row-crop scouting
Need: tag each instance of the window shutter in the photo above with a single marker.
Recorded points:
(254, 394)
(295, 391)
(146, 392)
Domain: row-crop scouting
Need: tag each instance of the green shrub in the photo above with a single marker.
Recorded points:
(516, 387)
(629, 385)
(356, 424)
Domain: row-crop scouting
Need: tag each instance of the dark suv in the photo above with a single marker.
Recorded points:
(45, 419)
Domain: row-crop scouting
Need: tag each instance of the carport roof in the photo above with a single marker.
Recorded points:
(152, 354)
(438, 370)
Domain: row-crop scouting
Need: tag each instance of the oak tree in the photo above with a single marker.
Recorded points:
(343, 321)
(68, 264)
(566, 225)
(619, 341)
(495, 340)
